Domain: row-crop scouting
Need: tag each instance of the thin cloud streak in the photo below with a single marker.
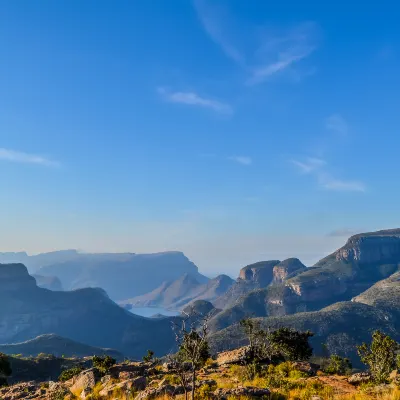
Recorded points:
(260, 60)
(21, 157)
(243, 160)
(193, 99)
(317, 168)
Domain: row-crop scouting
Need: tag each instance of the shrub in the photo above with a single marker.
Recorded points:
(338, 365)
(380, 356)
(149, 356)
(104, 363)
(67, 374)
(5, 369)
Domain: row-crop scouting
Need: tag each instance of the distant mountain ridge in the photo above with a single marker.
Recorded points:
(179, 293)
(87, 316)
(56, 346)
(121, 275)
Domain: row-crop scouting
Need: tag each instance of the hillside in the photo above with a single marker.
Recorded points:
(86, 315)
(364, 260)
(181, 292)
(122, 276)
(56, 346)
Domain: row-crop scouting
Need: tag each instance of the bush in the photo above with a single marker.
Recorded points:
(67, 374)
(338, 365)
(380, 356)
(5, 369)
(104, 363)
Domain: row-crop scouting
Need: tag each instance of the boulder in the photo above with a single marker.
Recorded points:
(86, 380)
(237, 356)
(360, 377)
(225, 394)
(304, 366)
(137, 384)
(137, 368)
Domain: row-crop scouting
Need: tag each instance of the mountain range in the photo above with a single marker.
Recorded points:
(342, 298)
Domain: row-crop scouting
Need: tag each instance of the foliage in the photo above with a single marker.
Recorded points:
(293, 345)
(103, 363)
(205, 392)
(5, 369)
(67, 374)
(191, 337)
(149, 356)
(398, 361)
(283, 343)
(380, 356)
(338, 365)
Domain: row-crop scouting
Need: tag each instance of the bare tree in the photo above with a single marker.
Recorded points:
(191, 337)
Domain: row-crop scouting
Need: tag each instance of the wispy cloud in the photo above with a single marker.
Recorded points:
(21, 157)
(317, 168)
(308, 165)
(241, 160)
(260, 55)
(331, 183)
(194, 99)
(337, 124)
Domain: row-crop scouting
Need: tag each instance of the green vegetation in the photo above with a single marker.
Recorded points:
(5, 369)
(103, 363)
(70, 373)
(338, 365)
(149, 356)
(380, 356)
(280, 344)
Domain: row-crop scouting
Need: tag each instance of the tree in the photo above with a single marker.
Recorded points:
(379, 356)
(5, 369)
(191, 337)
(103, 363)
(292, 344)
(338, 365)
(259, 346)
(149, 356)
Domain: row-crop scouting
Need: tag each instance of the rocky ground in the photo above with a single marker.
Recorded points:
(223, 378)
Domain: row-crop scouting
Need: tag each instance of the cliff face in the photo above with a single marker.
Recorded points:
(261, 273)
(364, 260)
(15, 277)
(287, 269)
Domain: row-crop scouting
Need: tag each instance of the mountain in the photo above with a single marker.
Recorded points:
(85, 315)
(186, 289)
(364, 260)
(57, 346)
(340, 327)
(257, 276)
(122, 276)
(48, 282)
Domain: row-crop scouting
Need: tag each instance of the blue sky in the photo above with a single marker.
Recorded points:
(231, 130)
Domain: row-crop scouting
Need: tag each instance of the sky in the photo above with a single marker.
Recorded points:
(234, 131)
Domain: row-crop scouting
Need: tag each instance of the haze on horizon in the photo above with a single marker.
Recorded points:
(231, 131)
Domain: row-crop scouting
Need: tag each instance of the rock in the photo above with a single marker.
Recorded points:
(86, 380)
(224, 394)
(287, 268)
(261, 272)
(86, 392)
(125, 375)
(209, 382)
(139, 383)
(115, 370)
(360, 377)
(304, 366)
(105, 379)
(167, 389)
(237, 356)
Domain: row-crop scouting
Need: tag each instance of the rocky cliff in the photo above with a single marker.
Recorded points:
(364, 260)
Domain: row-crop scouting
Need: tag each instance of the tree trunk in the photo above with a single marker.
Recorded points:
(193, 382)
